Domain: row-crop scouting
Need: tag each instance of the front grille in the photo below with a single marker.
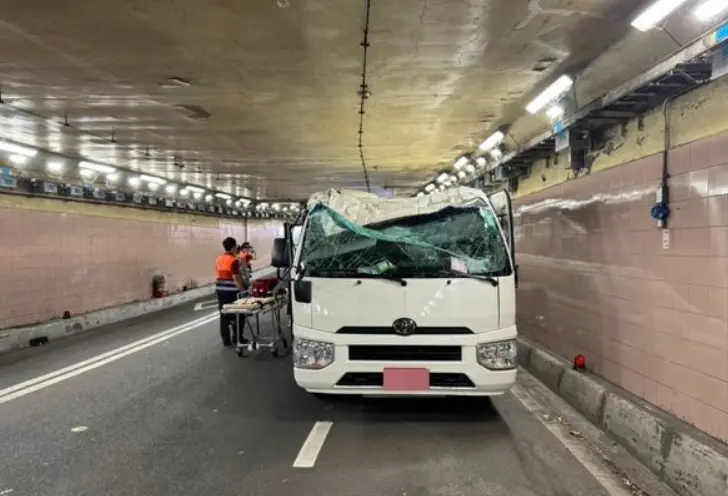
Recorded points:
(450, 380)
(376, 379)
(424, 331)
(406, 353)
(362, 379)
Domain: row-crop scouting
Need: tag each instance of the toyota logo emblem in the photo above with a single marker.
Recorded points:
(404, 327)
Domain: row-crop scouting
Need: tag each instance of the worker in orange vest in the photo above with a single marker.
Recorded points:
(228, 285)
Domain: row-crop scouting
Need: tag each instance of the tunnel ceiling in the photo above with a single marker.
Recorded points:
(242, 94)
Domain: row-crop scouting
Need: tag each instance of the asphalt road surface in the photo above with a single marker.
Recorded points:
(156, 406)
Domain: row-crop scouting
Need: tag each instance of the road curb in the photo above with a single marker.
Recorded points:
(20, 337)
(689, 461)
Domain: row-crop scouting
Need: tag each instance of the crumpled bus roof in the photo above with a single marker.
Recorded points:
(366, 208)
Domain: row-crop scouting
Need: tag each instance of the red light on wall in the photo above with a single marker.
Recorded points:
(579, 362)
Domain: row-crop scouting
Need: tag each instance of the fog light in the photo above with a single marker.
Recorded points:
(497, 356)
(309, 354)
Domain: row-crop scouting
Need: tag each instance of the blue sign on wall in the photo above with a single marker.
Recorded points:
(721, 34)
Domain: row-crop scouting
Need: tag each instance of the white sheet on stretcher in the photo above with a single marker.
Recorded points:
(253, 303)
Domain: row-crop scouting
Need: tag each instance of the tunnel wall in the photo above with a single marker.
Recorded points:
(595, 278)
(57, 256)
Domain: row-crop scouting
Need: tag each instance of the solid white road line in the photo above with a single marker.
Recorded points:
(59, 375)
(582, 455)
(312, 446)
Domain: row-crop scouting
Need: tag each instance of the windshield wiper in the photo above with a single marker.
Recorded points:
(454, 273)
(388, 276)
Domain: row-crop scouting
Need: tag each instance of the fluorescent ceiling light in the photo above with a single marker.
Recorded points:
(223, 196)
(555, 112)
(276, 206)
(492, 141)
(470, 168)
(112, 178)
(55, 166)
(496, 153)
(198, 195)
(134, 182)
(461, 162)
(462, 174)
(481, 161)
(263, 206)
(550, 94)
(171, 188)
(442, 177)
(153, 186)
(195, 189)
(184, 193)
(152, 179)
(430, 187)
(208, 198)
(656, 12)
(104, 169)
(420, 194)
(710, 9)
(18, 149)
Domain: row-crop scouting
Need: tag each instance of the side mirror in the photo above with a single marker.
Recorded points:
(280, 257)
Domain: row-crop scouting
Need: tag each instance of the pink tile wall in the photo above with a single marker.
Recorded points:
(594, 279)
(53, 262)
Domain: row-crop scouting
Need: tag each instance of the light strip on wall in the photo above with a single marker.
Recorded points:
(461, 162)
(223, 196)
(652, 15)
(195, 189)
(550, 94)
(104, 169)
(492, 141)
(710, 9)
(152, 179)
(19, 149)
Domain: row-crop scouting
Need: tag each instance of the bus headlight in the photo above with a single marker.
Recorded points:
(497, 356)
(310, 354)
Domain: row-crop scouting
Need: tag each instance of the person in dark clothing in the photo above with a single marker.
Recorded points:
(228, 285)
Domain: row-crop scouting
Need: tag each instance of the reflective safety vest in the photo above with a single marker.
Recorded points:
(224, 266)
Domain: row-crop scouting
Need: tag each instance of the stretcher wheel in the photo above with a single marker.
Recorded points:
(239, 352)
(274, 352)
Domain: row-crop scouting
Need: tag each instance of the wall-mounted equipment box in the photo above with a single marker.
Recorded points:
(99, 194)
(500, 175)
(169, 203)
(8, 182)
(50, 188)
(119, 196)
(76, 191)
(137, 198)
(579, 146)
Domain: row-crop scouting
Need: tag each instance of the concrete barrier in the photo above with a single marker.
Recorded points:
(547, 368)
(586, 396)
(689, 461)
(20, 337)
(696, 468)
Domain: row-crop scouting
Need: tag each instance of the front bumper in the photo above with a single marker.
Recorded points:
(480, 381)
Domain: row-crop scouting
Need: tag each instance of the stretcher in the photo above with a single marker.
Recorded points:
(248, 311)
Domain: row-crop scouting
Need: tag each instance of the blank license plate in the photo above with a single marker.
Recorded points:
(406, 379)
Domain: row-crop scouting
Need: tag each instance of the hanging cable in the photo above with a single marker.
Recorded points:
(364, 93)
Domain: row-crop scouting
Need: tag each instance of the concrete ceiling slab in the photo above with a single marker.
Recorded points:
(245, 96)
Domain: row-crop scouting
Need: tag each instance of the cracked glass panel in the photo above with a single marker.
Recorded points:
(452, 240)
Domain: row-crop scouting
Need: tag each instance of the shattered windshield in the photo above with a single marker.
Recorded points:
(464, 240)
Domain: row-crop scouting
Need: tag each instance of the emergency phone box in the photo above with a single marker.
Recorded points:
(264, 286)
